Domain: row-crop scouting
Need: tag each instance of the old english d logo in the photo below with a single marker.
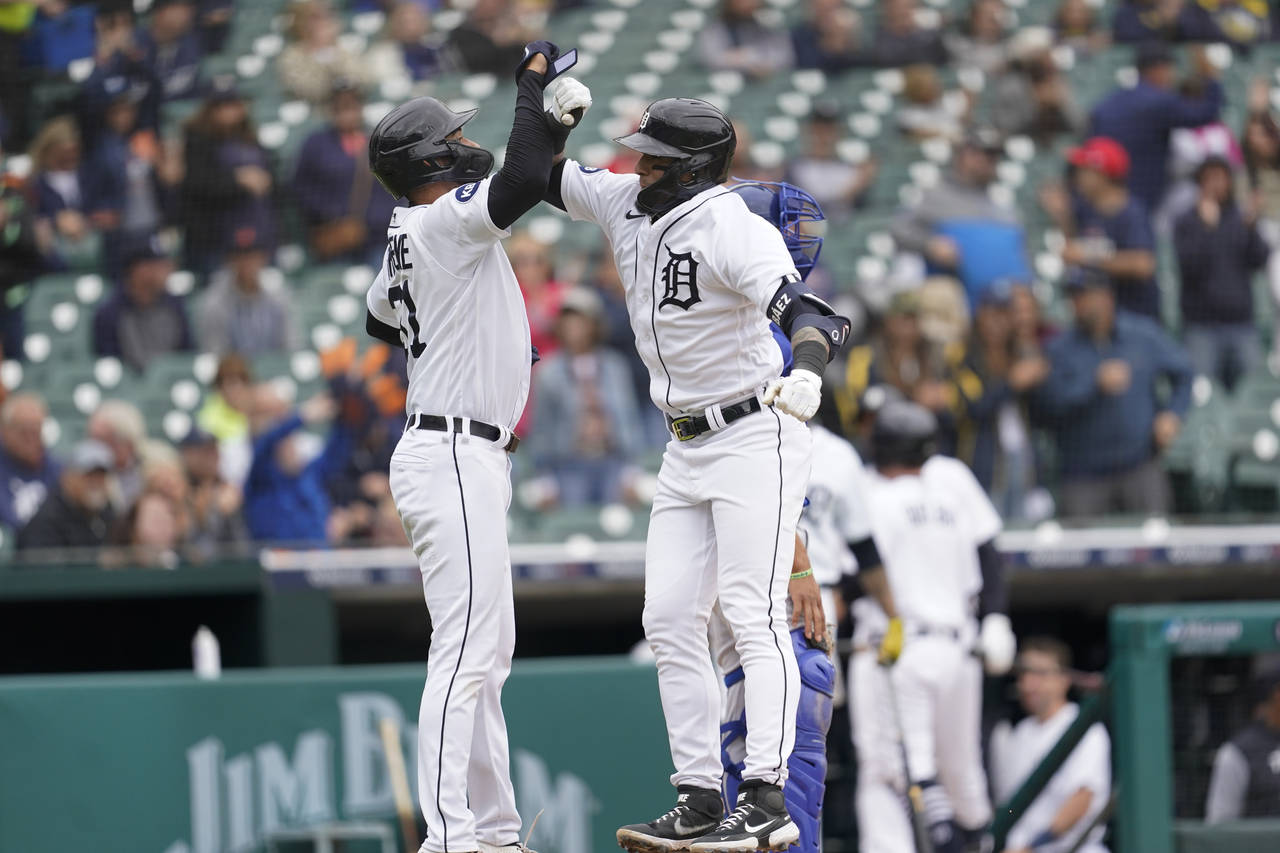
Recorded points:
(680, 280)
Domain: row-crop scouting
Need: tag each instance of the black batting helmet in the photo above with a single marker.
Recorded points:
(408, 148)
(697, 136)
(903, 434)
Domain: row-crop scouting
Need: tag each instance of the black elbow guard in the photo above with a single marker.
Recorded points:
(994, 597)
(794, 307)
(866, 553)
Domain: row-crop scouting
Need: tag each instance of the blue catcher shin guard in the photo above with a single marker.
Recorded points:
(807, 767)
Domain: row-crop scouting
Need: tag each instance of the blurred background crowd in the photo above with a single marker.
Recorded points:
(1056, 225)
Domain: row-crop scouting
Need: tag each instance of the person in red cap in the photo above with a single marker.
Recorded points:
(1107, 229)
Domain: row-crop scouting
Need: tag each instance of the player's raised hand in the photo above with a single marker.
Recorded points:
(570, 99)
(798, 394)
(553, 62)
(891, 643)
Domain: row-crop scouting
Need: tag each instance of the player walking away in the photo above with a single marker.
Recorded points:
(835, 526)
(446, 293)
(914, 634)
(703, 278)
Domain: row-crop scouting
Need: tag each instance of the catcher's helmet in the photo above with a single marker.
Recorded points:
(697, 136)
(793, 212)
(408, 148)
(903, 434)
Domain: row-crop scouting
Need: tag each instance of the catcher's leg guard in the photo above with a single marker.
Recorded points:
(807, 767)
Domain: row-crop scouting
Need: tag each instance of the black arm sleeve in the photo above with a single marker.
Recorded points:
(553, 194)
(380, 330)
(995, 591)
(522, 180)
(866, 553)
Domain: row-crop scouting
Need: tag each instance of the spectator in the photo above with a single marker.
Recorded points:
(128, 181)
(213, 22)
(228, 179)
(225, 414)
(58, 179)
(78, 514)
(61, 33)
(217, 526)
(1246, 775)
(1033, 97)
(994, 437)
(1219, 249)
(244, 310)
(738, 41)
(1138, 21)
(119, 66)
(345, 209)
(491, 39)
(119, 426)
(284, 495)
(27, 471)
(1076, 25)
(959, 230)
(150, 533)
(586, 426)
(900, 40)
(839, 186)
(531, 262)
(1101, 402)
(1107, 229)
(1068, 808)
(26, 244)
(1188, 148)
(927, 112)
(980, 41)
(404, 51)
(314, 60)
(141, 319)
(1242, 23)
(1260, 140)
(1142, 118)
(829, 39)
(171, 48)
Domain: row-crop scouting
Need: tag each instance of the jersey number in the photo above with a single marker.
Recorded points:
(400, 293)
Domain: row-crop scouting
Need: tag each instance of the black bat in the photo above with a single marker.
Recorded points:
(915, 795)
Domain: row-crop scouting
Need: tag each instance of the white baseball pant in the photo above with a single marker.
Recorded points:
(939, 691)
(723, 526)
(453, 491)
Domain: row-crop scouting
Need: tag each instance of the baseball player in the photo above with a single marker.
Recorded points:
(914, 636)
(447, 294)
(703, 278)
(835, 526)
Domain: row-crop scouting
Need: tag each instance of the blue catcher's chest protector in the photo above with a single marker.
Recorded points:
(807, 767)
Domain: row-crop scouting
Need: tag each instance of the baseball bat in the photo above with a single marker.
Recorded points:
(915, 795)
(399, 783)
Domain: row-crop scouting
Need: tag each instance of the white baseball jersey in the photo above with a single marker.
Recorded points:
(1016, 752)
(447, 284)
(698, 282)
(836, 514)
(927, 528)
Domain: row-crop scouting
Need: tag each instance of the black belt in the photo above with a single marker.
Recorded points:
(688, 427)
(479, 429)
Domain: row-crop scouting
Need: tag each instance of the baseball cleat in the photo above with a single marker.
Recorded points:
(759, 822)
(517, 847)
(697, 811)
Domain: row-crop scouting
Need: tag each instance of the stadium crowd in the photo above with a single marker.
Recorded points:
(1083, 403)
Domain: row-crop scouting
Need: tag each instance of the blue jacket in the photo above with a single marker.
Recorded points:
(1127, 228)
(322, 186)
(178, 70)
(54, 43)
(1098, 433)
(1217, 266)
(291, 509)
(1141, 120)
(23, 489)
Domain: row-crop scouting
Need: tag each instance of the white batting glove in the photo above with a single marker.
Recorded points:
(568, 94)
(997, 644)
(798, 394)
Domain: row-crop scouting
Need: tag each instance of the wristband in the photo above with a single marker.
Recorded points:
(795, 576)
(811, 356)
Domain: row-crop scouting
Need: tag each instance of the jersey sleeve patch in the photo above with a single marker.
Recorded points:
(466, 192)
(589, 170)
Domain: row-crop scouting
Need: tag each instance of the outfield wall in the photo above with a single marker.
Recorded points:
(164, 763)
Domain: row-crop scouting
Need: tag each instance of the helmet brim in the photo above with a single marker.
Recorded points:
(646, 144)
(459, 119)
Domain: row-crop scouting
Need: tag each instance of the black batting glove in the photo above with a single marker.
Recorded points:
(557, 63)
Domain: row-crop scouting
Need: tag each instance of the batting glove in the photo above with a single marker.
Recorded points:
(997, 644)
(570, 98)
(891, 643)
(798, 394)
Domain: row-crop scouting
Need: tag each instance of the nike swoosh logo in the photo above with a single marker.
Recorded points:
(756, 827)
(633, 215)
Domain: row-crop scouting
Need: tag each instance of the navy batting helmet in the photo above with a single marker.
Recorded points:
(903, 434)
(794, 212)
(410, 147)
(697, 136)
